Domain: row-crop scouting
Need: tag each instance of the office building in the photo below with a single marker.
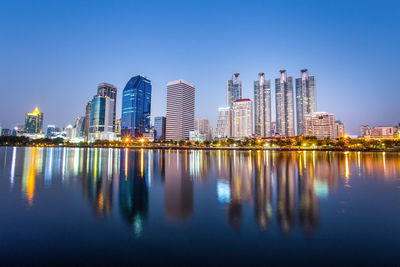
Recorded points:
(180, 110)
(202, 125)
(136, 107)
(233, 90)
(5, 132)
(196, 136)
(284, 105)
(223, 129)
(306, 103)
(321, 125)
(339, 130)
(109, 90)
(118, 127)
(382, 132)
(159, 127)
(242, 118)
(365, 130)
(101, 119)
(262, 106)
(87, 121)
(34, 122)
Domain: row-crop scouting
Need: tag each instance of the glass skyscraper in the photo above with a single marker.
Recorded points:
(109, 90)
(305, 99)
(101, 119)
(234, 90)
(159, 128)
(262, 106)
(284, 105)
(34, 122)
(136, 107)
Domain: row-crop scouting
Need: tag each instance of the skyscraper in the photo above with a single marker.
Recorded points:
(180, 110)
(136, 107)
(284, 105)
(233, 90)
(223, 129)
(159, 128)
(87, 121)
(101, 126)
(242, 125)
(262, 106)
(106, 89)
(306, 103)
(34, 122)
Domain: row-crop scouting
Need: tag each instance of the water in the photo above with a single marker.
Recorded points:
(76, 205)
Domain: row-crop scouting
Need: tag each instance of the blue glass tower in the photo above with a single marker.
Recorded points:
(136, 105)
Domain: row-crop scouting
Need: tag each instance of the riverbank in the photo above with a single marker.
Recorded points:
(255, 148)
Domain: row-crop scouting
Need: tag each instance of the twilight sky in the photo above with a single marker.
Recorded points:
(54, 53)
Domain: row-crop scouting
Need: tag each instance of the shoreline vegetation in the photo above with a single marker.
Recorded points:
(274, 144)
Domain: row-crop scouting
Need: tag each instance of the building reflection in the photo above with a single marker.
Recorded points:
(178, 199)
(134, 188)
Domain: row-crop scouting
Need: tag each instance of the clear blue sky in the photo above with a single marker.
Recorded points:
(54, 53)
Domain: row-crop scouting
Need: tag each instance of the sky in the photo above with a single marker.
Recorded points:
(53, 54)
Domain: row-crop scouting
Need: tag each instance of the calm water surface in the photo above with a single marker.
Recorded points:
(162, 206)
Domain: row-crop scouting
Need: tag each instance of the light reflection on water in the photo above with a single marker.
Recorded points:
(282, 188)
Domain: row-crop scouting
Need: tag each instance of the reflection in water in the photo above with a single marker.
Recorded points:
(277, 187)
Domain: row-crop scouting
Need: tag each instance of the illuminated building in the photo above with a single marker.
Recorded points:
(242, 118)
(180, 110)
(233, 90)
(87, 121)
(159, 127)
(365, 130)
(101, 119)
(118, 127)
(262, 106)
(196, 136)
(106, 89)
(382, 132)
(320, 125)
(34, 122)
(338, 130)
(136, 107)
(5, 132)
(202, 125)
(223, 129)
(306, 103)
(284, 105)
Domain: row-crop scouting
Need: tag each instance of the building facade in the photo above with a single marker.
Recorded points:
(107, 89)
(306, 103)
(242, 118)
(321, 125)
(223, 129)
(233, 90)
(382, 132)
(180, 110)
(284, 105)
(159, 127)
(262, 106)
(202, 125)
(34, 122)
(365, 130)
(136, 107)
(339, 130)
(101, 125)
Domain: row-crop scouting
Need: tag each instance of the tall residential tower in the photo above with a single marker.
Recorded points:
(233, 90)
(306, 103)
(284, 105)
(262, 106)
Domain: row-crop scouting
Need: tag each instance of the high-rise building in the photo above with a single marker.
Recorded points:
(118, 127)
(321, 125)
(106, 89)
(180, 110)
(262, 106)
(339, 129)
(159, 127)
(306, 103)
(223, 129)
(242, 114)
(284, 105)
(233, 90)
(273, 128)
(136, 107)
(34, 122)
(87, 121)
(202, 125)
(101, 126)
(79, 127)
(6, 132)
(382, 132)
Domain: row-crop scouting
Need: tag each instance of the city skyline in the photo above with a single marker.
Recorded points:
(57, 69)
